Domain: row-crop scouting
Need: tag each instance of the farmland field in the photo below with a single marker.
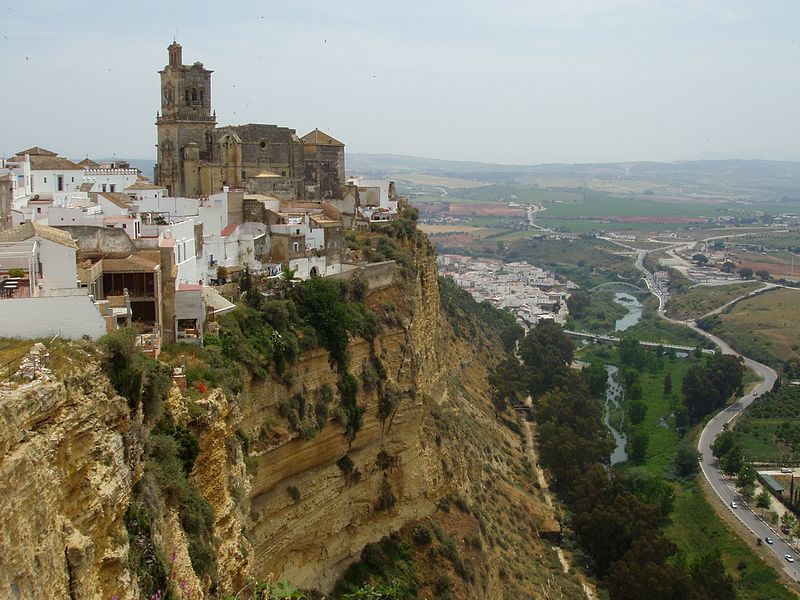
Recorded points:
(764, 327)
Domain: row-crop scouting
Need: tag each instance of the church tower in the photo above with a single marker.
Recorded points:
(185, 124)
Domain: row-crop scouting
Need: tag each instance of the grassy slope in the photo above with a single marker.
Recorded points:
(698, 301)
(765, 328)
(697, 529)
(653, 328)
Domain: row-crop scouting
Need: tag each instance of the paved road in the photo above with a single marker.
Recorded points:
(724, 488)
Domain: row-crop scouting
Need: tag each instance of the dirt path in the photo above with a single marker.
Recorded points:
(588, 588)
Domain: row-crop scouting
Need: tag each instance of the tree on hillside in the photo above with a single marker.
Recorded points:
(608, 530)
(788, 523)
(547, 352)
(728, 267)
(700, 259)
(723, 444)
(699, 394)
(687, 461)
(506, 382)
(746, 273)
(578, 303)
(667, 384)
(746, 481)
(637, 411)
(638, 441)
(709, 578)
(643, 572)
(727, 374)
(596, 378)
(772, 518)
(631, 353)
(764, 501)
(731, 463)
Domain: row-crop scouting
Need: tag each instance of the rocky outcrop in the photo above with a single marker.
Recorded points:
(309, 517)
(293, 506)
(66, 471)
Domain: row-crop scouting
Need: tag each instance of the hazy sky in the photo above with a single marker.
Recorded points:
(504, 81)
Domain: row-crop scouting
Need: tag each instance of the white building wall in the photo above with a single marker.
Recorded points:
(20, 178)
(185, 251)
(149, 195)
(110, 209)
(301, 268)
(59, 267)
(46, 182)
(103, 180)
(71, 317)
(315, 238)
(176, 207)
(58, 215)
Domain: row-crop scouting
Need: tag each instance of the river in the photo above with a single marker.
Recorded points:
(613, 388)
(634, 308)
(614, 403)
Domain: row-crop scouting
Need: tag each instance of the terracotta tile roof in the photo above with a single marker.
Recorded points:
(45, 160)
(26, 231)
(189, 287)
(229, 229)
(116, 198)
(144, 185)
(37, 151)
(135, 263)
(86, 186)
(320, 138)
(88, 163)
(53, 163)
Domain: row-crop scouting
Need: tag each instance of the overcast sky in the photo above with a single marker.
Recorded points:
(503, 81)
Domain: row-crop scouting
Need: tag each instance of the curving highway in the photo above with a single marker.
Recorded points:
(725, 488)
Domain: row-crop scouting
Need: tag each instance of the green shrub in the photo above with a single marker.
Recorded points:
(293, 492)
(166, 469)
(385, 461)
(421, 535)
(144, 557)
(345, 464)
(388, 402)
(386, 497)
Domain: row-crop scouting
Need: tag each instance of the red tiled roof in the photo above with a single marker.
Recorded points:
(228, 230)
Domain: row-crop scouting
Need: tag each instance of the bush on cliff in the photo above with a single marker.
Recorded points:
(136, 377)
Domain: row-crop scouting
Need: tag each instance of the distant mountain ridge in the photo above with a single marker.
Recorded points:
(767, 177)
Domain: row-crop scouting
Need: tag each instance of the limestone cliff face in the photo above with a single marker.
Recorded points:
(70, 453)
(220, 475)
(309, 518)
(67, 463)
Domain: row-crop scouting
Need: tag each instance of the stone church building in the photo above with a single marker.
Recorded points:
(197, 158)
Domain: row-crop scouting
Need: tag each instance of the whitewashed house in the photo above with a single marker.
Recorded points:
(57, 254)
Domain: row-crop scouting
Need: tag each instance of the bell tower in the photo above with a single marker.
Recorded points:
(185, 124)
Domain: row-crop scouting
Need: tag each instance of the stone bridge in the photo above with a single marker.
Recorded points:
(597, 337)
(628, 287)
